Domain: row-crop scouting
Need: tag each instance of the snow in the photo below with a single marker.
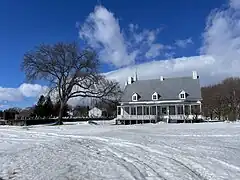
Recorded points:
(207, 151)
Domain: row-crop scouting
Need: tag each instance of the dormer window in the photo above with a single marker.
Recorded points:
(182, 95)
(155, 96)
(135, 97)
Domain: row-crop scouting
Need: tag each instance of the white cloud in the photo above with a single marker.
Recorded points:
(235, 4)
(18, 94)
(133, 27)
(3, 106)
(184, 66)
(102, 30)
(10, 94)
(222, 38)
(32, 90)
(169, 55)
(154, 51)
(219, 54)
(183, 43)
(117, 46)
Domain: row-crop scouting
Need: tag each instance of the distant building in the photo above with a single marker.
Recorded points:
(165, 99)
(97, 112)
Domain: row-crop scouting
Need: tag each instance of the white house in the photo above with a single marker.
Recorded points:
(165, 99)
(96, 112)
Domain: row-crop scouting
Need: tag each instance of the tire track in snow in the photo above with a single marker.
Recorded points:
(193, 172)
(114, 140)
(142, 176)
(138, 160)
(154, 154)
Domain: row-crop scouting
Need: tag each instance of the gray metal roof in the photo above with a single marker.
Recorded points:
(168, 89)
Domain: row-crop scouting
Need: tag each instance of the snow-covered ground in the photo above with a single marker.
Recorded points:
(150, 151)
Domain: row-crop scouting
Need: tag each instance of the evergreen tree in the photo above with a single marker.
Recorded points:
(1, 114)
(44, 107)
(39, 109)
(41, 101)
(48, 106)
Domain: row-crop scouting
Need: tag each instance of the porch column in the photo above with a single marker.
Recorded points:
(168, 114)
(184, 110)
(156, 116)
(136, 112)
(184, 118)
(190, 108)
(137, 115)
(130, 111)
(117, 110)
(200, 113)
(142, 111)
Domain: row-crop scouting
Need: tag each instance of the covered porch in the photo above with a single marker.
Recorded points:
(152, 113)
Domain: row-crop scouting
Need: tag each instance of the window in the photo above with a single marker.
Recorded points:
(180, 109)
(164, 110)
(146, 110)
(133, 110)
(134, 97)
(195, 109)
(182, 95)
(187, 109)
(139, 110)
(155, 96)
(153, 110)
(172, 110)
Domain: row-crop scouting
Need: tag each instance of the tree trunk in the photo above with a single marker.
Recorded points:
(60, 115)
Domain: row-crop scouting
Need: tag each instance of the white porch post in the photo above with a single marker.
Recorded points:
(117, 110)
(137, 114)
(190, 109)
(184, 118)
(184, 109)
(156, 114)
(130, 112)
(168, 114)
(200, 110)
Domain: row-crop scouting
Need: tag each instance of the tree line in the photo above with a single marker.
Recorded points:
(222, 100)
(45, 108)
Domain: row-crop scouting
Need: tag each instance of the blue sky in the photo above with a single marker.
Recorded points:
(178, 28)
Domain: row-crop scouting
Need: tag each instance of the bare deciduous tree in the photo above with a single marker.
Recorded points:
(71, 72)
(222, 100)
